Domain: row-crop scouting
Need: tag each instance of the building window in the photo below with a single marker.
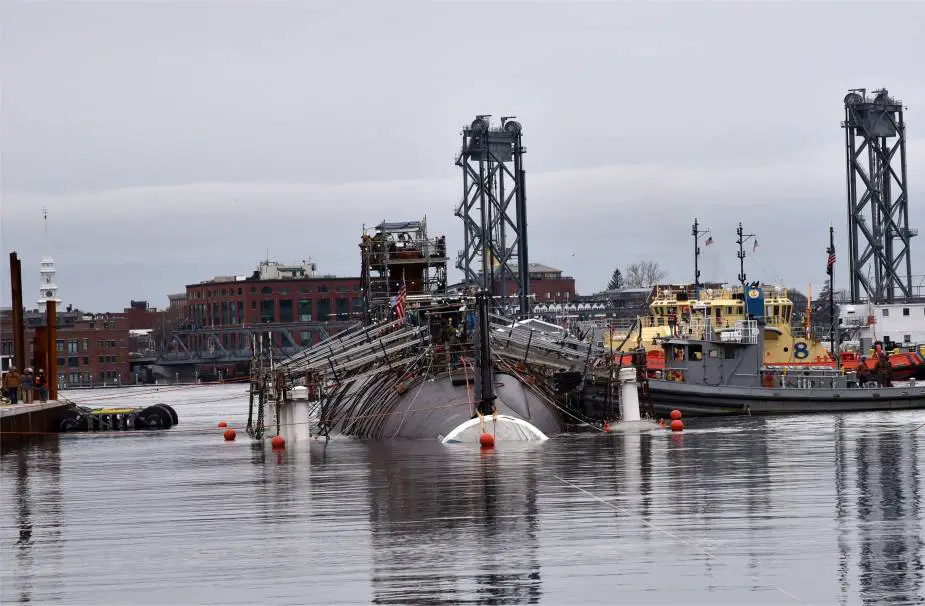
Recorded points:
(305, 289)
(905, 311)
(886, 313)
(284, 291)
(253, 304)
(73, 378)
(61, 362)
(305, 310)
(305, 337)
(323, 288)
(342, 305)
(86, 360)
(324, 309)
(267, 311)
(72, 346)
(223, 292)
(86, 344)
(285, 310)
(59, 345)
(266, 290)
(239, 291)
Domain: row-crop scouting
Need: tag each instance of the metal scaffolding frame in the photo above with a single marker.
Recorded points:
(493, 180)
(878, 203)
(397, 252)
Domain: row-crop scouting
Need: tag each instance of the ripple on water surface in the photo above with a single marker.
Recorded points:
(821, 509)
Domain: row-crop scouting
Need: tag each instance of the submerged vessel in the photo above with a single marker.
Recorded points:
(425, 363)
(719, 370)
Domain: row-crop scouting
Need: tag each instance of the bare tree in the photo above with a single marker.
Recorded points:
(643, 274)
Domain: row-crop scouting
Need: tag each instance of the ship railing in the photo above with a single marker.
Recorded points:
(350, 344)
(527, 340)
(558, 335)
(341, 341)
(380, 350)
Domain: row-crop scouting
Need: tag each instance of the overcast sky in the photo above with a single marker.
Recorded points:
(175, 141)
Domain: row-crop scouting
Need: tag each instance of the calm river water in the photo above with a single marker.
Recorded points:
(798, 510)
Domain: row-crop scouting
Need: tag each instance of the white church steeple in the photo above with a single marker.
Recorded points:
(48, 290)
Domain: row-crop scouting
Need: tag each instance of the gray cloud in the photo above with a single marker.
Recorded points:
(176, 141)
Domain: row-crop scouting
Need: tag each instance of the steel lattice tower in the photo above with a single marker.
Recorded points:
(878, 203)
(494, 210)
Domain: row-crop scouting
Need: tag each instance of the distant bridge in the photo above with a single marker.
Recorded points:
(181, 350)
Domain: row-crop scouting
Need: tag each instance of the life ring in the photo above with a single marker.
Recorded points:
(768, 380)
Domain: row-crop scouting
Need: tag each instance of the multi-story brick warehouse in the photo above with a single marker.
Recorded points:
(91, 349)
(274, 295)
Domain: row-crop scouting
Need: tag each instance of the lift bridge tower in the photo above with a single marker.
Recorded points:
(878, 203)
(494, 211)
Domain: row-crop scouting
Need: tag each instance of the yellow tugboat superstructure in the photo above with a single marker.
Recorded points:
(671, 310)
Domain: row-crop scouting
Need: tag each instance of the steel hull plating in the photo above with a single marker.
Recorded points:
(432, 408)
(697, 400)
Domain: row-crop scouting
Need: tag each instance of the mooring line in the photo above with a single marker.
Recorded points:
(667, 533)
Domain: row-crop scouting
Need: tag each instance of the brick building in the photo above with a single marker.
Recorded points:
(141, 316)
(92, 349)
(547, 284)
(275, 294)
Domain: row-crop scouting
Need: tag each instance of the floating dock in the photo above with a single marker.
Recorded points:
(36, 417)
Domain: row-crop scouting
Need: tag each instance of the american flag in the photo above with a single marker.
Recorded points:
(831, 262)
(400, 301)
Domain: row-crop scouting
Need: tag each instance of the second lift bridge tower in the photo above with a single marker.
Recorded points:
(878, 202)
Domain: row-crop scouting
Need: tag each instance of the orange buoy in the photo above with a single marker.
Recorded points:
(222, 424)
(230, 435)
(487, 440)
(677, 425)
(278, 441)
(675, 414)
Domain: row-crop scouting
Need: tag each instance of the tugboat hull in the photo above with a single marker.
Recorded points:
(700, 400)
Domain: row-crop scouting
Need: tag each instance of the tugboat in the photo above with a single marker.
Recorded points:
(671, 308)
(719, 370)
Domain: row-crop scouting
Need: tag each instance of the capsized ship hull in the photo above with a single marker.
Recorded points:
(432, 408)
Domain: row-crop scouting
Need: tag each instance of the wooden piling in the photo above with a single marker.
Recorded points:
(19, 329)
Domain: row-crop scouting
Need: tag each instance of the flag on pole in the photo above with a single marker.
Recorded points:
(755, 246)
(831, 263)
(400, 301)
(709, 240)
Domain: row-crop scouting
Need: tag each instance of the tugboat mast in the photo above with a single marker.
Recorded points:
(741, 240)
(697, 233)
(830, 269)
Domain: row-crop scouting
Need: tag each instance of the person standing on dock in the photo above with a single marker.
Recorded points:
(27, 380)
(42, 385)
(12, 382)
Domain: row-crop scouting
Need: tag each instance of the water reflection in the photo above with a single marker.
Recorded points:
(888, 515)
(31, 468)
(447, 530)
